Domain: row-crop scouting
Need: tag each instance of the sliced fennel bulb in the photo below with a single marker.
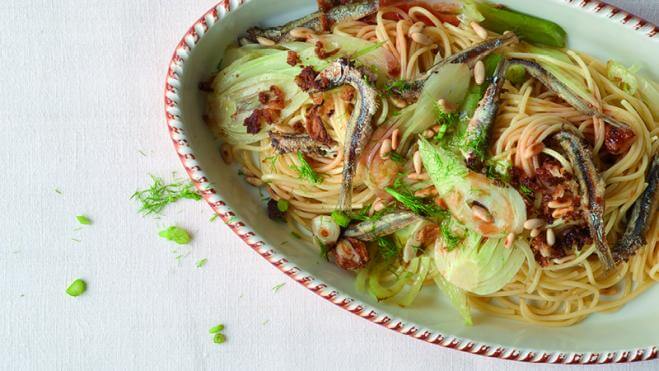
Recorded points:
(478, 265)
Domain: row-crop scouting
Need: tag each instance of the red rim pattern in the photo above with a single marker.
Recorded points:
(327, 292)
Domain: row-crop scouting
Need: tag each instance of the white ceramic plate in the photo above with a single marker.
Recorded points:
(631, 334)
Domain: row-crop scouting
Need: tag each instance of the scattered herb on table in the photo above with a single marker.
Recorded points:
(213, 218)
(76, 240)
(58, 191)
(216, 329)
(278, 287)
(175, 234)
(77, 288)
(160, 194)
(83, 220)
(202, 262)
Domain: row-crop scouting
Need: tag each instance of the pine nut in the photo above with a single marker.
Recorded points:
(416, 159)
(415, 176)
(535, 232)
(422, 39)
(264, 41)
(395, 137)
(551, 237)
(225, 152)
(534, 223)
(479, 72)
(301, 33)
(256, 182)
(416, 28)
(480, 31)
(385, 148)
(428, 133)
(426, 192)
(481, 213)
(558, 205)
(509, 240)
(560, 212)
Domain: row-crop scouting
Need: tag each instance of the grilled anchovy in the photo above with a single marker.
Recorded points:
(641, 217)
(478, 130)
(315, 21)
(388, 224)
(468, 56)
(359, 128)
(592, 191)
(554, 84)
(287, 143)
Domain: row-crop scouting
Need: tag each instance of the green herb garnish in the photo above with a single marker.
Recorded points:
(76, 240)
(371, 48)
(324, 250)
(388, 249)
(416, 204)
(58, 191)
(216, 329)
(83, 220)
(282, 205)
(77, 288)
(202, 262)
(450, 239)
(219, 338)
(278, 287)
(498, 169)
(213, 218)
(340, 218)
(159, 195)
(397, 86)
(397, 157)
(175, 234)
(526, 191)
(305, 170)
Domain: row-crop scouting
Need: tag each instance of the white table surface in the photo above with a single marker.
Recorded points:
(76, 106)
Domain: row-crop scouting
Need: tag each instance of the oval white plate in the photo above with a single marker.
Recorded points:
(632, 334)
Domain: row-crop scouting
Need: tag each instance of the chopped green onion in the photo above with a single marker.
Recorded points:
(282, 205)
(83, 220)
(77, 288)
(216, 329)
(340, 218)
(219, 338)
(175, 234)
(202, 262)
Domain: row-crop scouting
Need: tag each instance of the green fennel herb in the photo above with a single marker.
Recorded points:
(83, 220)
(388, 249)
(77, 288)
(397, 157)
(340, 218)
(416, 204)
(397, 86)
(202, 262)
(450, 239)
(155, 198)
(526, 191)
(175, 234)
(305, 171)
(278, 287)
(282, 205)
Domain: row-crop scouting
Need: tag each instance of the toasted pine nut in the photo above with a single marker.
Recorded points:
(509, 240)
(534, 223)
(480, 31)
(416, 160)
(416, 28)
(551, 237)
(415, 176)
(378, 205)
(426, 192)
(481, 213)
(560, 212)
(428, 133)
(558, 205)
(395, 137)
(385, 148)
(225, 152)
(301, 33)
(256, 182)
(535, 232)
(479, 72)
(265, 41)
(421, 39)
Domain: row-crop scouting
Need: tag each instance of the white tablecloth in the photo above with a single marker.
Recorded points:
(80, 96)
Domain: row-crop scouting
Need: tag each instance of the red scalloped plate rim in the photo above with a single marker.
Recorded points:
(326, 291)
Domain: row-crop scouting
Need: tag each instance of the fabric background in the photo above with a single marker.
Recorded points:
(80, 94)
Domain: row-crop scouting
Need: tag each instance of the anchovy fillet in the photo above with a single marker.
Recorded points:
(477, 134)
(358, 128)
(388, 224)
(554, 84)
(314, 21)
(592, 189)
(468, 56)
(288, 143)
(641, 217)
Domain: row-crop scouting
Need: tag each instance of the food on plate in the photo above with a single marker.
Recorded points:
(461, 145)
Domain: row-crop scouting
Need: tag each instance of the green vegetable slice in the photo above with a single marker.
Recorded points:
(175, 234)
(77, 288)
(527, 27)
(83, 220)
